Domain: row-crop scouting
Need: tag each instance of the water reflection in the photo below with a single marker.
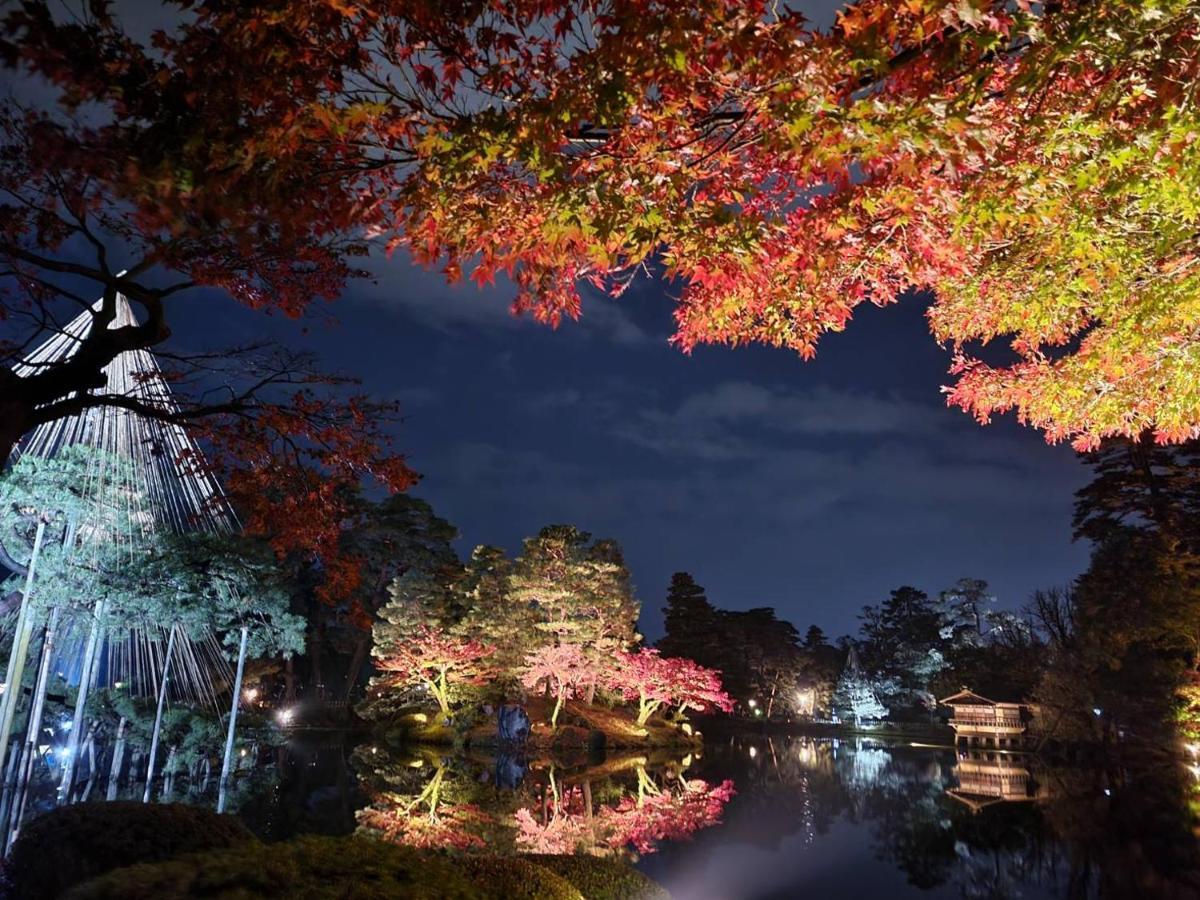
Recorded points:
(623, 804)
(845, 819)
(782, 818)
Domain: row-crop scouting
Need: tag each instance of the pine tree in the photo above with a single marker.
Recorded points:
(690, 623)
(579, 590)
(855, 697)
(493, 613)
(815, 638)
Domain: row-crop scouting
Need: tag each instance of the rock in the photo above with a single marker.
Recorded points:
(512, 724)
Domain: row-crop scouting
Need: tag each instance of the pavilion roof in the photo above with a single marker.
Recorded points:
(966, 696)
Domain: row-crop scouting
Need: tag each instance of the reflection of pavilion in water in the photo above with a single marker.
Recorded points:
(989, 736)
(986, 777)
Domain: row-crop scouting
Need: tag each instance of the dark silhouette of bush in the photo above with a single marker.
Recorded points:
(601, 879)
(76, 843)
(312, 868)
(518, 879)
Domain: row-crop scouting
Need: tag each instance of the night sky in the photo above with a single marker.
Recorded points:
(811, 487)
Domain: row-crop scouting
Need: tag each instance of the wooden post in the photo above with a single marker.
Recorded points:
(10, 781)
(20, 649)
(237, 696)
(114, 772)
(169, 776)
(90, 746)
(162, 699)
(85, 682)
(25, 770)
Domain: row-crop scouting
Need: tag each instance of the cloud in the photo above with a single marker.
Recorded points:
(399, 285)
(730, 420)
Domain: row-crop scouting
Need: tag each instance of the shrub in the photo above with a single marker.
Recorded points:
(309, 867)
(519, 879)
(70, 845)
(602, 879)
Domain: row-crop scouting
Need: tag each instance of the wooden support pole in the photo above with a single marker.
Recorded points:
(237, 696)
(114, 772)
(25, 770)
(85, 682)
(162, 699)
(20, 648)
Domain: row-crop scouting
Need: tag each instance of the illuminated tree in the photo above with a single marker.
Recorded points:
(564, 669)
(105, 228)
(656, 681)
(697, 687)
(442, 663)
(855, 694)
(1030, 164)
(578, 588)
(493, 611)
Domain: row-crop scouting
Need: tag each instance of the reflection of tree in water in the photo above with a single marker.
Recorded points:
(425, 820)
(1102, 834)
(621, 805)
(1128, 830)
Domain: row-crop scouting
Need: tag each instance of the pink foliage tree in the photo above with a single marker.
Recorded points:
(656, 681)
(564, 668)
(698, 687)
(437, 660)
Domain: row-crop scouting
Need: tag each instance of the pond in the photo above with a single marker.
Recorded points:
(757, 817)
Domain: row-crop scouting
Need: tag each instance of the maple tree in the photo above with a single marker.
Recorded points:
(440, 662)
(1033, 165)
(103, 201)
(564, 669)
(656, 681)
(697, 687)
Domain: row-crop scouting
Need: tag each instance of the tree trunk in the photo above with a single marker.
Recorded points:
(289, 680)
(316, 640)
(771, 699)
(114, 772)
(85, 682)
(162, 699)
(356, 664)
(15, 672)
(237, 696)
